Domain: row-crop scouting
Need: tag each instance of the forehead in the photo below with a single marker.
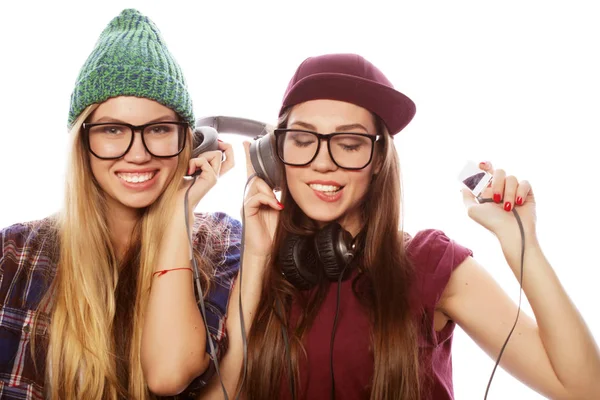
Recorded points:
(327, 115)
(134, 110)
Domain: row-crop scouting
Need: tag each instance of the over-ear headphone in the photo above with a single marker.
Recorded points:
(305, 260)
(262, 149)
(205, 139)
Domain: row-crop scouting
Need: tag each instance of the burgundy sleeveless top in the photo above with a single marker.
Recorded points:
(434, 257)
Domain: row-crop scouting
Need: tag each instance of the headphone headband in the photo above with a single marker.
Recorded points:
(240, 126)
(262, 149)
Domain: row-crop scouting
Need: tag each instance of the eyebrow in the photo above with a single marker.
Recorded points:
(339, 128)
(117, 120)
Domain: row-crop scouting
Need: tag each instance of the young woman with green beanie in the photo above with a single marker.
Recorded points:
(98, 301)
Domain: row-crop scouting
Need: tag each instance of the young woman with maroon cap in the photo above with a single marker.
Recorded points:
(332, 257)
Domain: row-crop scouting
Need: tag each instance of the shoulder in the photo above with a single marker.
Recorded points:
(27, 261)
(26, 235)
(213, 223)
(218, 236)
(434, 256)
(431, 249)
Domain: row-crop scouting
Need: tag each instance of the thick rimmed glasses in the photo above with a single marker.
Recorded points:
(348, 150)
(109, 140)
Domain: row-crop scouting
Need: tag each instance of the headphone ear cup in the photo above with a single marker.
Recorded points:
(205, 139)
(334, 250)
(299, 263)
(265, 161)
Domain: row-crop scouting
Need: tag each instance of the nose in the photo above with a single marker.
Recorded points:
(323, 161)
(137, 153)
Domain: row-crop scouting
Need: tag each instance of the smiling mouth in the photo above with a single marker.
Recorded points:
(328, 190)
(136, 177)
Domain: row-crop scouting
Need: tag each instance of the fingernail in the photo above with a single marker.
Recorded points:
(220, 140)
(519, 201)
(497, 198)
(280, 205)
(483, 163)
(507, 206)
(189, 171)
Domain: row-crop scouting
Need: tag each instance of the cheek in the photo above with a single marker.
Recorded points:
(100, 170)
(361, 183)
(169, 166)
(292, 177)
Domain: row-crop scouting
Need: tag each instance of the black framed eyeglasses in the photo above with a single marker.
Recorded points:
(348, 150)
(110, 140)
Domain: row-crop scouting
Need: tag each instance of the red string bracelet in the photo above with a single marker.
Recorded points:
(164, 271)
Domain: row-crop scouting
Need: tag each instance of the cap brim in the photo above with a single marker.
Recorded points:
(394, 108)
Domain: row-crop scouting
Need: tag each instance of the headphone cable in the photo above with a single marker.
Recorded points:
(520, 223)
(333, 330)
(213, 353)
(241, 310)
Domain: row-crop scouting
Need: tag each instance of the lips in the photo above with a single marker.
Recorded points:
(329, 191)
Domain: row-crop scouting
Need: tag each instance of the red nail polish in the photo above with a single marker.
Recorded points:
(483, 163)
(497, 198)
(507, 206)
(519, 201)
(280, 205)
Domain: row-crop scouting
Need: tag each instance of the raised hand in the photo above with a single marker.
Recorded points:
(213, 164)
(261, 210)
(507, 193)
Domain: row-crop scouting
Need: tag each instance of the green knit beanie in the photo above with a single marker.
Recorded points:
(131, 59)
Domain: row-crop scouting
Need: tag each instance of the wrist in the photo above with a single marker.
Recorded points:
(513, 245)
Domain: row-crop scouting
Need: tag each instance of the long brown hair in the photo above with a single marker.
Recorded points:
(96, 301)
(386, 273)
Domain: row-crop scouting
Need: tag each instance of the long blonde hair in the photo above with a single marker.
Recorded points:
(82, 360)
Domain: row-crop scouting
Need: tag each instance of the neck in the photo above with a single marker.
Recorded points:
(351, 222)
(121, 222)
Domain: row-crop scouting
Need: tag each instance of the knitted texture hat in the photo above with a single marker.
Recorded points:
(131, 58)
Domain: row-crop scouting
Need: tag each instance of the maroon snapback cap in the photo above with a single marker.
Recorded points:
(350, 78)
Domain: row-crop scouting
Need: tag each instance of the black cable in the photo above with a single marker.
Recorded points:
(242, 323)
(520, 223)
(335, 319)
(213, 353)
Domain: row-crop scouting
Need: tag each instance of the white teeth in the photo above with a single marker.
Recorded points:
(327, 189)
(135, 178)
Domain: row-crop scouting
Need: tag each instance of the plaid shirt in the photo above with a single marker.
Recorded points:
(27, 267)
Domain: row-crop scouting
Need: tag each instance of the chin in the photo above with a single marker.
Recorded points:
(321, 215)
(137, 202)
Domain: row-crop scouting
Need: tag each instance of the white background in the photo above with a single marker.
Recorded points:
(514, 82)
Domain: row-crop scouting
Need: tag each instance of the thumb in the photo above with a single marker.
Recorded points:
(249, 167)
(468, 198)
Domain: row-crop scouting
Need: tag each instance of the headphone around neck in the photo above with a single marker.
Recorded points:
(305, 260)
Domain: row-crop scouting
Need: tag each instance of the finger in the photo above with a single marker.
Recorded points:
(207, 169)
(487, 167)
(212, 158)
(254, 203)
(215, 158)
(523, 192)
(510, 190)
(249, 167)
(498, 185)
(259, 186)
(229, 161)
